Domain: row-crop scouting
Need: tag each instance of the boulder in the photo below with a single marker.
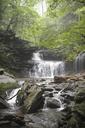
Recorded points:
(34, 100)
(1, 71)
(3, 104)
(45, 119)
(47, 89)
(80, 97)
(11, 120)
(53, 103)
(20, 98)
(6, 79)
(59, 79)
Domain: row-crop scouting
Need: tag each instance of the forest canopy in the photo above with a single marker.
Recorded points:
(61, 27)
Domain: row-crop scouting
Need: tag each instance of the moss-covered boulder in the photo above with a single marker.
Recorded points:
(34, 99)
(77, 118)
(80, 96)
(20, 98)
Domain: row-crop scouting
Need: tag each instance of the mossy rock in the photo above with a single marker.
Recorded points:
(20, 97)
(79, 109)
(34, 100)
(72, 122)
(5, 86)
(80, 96)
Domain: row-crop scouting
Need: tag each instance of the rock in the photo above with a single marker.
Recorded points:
(80, 96)
(53, 103)
(34, 100)
(3, 104)
(68, 95)
(11, 120)
(20, 98)
(77, 118)
(45, 119)
(6, 79)
(79, 109)
(1, 71)
(47, 89)
(59, 79)
(48, 94)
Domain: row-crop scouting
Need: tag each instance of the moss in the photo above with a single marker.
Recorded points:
(80, 96)
(20, 97)
(80, 109)
(5, 86)
(72, 123)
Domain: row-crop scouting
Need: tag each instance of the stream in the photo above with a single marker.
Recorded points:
(41, 69)
(57, 95)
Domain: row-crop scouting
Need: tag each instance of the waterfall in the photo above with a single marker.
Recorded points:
(80, 63)
(46, 69)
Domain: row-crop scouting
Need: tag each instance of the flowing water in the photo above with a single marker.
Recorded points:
(46, 69)
(80, 63)
(41, 69)
(12, 96)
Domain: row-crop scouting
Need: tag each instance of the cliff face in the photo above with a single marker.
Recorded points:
(15, 54)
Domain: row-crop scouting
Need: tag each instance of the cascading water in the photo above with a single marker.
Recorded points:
(80, 63)
(11, 97)
(46, 69)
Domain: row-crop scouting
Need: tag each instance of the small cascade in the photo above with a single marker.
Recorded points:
(46, 69)
(12, 96)
(57, 97)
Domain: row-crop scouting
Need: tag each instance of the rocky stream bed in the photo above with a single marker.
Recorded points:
(46, 103)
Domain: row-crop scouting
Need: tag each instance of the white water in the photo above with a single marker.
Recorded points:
(46, 69)
(13, 95)
(57, 97)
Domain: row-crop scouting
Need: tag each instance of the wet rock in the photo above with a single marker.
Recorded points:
(53, 103)
(1, 71)
(4, 122)
(12, 121)
(48, 94)
(69, 95)
(34, 100)
(47, 89)
(20, 98)
(74, 78)
(59, 79)
(3, 104)
(45, 119)
(79, 109)
(6, 79)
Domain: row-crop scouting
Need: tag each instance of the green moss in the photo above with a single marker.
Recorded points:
(80, 96)
(72, 123)
(5, 86)
(80, 109)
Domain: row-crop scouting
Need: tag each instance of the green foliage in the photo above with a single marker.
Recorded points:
(66, 27)
(62, 27)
